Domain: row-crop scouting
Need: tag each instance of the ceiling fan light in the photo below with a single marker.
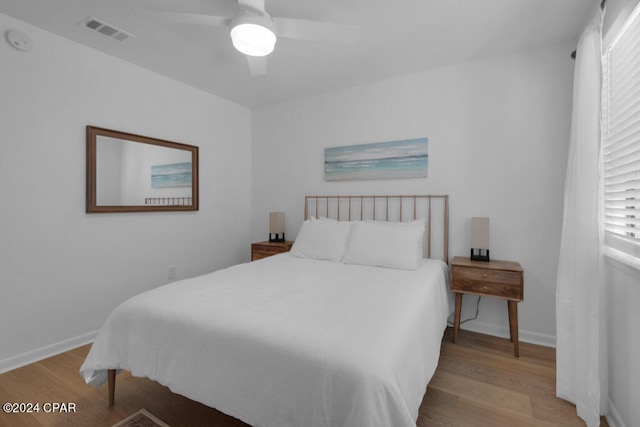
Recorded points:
(253, 39)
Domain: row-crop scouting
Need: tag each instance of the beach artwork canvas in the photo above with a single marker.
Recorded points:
(171, 175)
(407, 158)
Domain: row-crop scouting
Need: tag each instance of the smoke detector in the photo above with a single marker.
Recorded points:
(19, 40)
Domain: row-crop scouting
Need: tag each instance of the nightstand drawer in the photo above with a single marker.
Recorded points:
(266, 249)
(487, 288)
(487, 281)
(262, 252)
(488, 275)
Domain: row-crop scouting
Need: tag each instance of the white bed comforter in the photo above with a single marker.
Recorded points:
(286, 341)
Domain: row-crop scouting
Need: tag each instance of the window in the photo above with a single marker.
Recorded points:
(621, 138)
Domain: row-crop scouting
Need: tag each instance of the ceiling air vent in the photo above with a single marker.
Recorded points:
(105, 29)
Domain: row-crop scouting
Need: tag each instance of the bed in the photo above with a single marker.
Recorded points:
(345, 330)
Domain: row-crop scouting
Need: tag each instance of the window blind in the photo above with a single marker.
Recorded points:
(621, 138)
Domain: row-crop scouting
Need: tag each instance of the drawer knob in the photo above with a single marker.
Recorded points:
(484, 274)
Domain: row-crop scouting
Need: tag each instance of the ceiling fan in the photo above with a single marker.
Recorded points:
(254, 32)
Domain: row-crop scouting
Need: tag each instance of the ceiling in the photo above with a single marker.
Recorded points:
(396, 38)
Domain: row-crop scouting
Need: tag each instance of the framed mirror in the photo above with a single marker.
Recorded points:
(134, 173)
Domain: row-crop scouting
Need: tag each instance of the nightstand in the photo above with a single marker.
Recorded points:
(498, 279)
(266, 249)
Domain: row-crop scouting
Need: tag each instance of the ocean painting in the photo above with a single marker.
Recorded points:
(407, 158)
(171, 175)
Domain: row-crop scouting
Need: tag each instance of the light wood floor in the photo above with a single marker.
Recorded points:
(478, 383)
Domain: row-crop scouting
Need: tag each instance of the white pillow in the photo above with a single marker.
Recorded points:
(386, 244)
(322, 239)
(323, 218)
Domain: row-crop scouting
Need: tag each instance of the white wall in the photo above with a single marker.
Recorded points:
(498, 134)
(624, 343)
(624, 298)
(61, 270)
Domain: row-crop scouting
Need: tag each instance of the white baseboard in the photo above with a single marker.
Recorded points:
(613, 417)
(503, 332)
(44, 352)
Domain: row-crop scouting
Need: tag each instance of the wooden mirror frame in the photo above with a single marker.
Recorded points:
(94, 132)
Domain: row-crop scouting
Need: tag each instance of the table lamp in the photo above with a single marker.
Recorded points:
(276, 226)
(480, 239)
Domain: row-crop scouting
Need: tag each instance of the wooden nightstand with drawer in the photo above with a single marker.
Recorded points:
(266, 249)
(499, 279)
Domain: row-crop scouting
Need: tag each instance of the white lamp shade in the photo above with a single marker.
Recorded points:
(253, 39)
(479, 233)
(276, 222)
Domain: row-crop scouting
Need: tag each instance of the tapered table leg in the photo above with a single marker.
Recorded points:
(456, 319)
(111, 378)
(513, 326)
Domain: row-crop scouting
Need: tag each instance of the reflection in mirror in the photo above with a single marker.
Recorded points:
(127, 173)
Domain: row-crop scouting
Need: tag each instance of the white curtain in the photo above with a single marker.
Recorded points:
(580, 296)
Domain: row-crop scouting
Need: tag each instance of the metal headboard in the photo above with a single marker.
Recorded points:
(168, 201)
(389, 208)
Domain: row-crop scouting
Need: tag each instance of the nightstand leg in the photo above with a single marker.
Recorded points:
(456, 318)
(111, 379)
(510, 322)
(513, 326)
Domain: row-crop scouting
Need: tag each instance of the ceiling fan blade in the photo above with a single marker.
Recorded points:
(304, 29)
(257, 65)
(254, 4)
(188, 18)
